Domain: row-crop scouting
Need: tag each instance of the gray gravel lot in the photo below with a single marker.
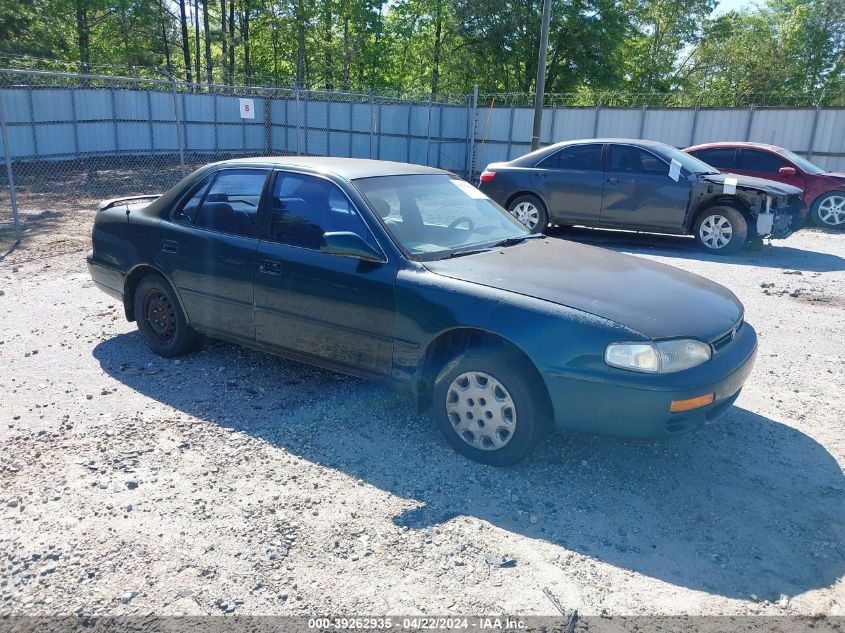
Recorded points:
(235, 482)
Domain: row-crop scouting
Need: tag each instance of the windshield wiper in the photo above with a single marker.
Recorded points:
(472, 251)
(510, 241)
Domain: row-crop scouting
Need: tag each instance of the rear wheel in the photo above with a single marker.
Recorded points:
(721, 230)
(531, 211)
(490, 407)
(828, 210)
(161, 322)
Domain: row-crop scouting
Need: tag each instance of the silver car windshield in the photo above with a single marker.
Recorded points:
(437, 215)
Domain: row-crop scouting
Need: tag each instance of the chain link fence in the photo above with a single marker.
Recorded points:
(71, 139)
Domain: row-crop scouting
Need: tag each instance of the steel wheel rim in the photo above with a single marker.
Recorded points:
(832, 210)
(160, 316)
(527, 213)
(716, 231)
(481, 411)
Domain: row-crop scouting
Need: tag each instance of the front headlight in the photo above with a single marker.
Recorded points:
(663, 357)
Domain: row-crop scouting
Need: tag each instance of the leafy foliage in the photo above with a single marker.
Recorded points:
(447, 46)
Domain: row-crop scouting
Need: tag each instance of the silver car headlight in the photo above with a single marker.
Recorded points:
(661, 357)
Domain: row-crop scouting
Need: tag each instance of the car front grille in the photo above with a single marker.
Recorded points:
(721, 342)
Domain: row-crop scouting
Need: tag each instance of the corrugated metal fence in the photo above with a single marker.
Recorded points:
(69, 139)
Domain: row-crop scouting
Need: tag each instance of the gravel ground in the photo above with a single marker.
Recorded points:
(235, 482)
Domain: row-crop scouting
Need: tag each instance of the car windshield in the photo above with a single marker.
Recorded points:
(803, 164)
(688, 162)
(438, 215)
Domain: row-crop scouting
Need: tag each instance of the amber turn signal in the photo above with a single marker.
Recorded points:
(691, 403)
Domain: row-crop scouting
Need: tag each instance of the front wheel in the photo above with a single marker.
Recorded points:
(721, 230)
(490, 407)
(161, 322)
(531, 211)
(828, 210)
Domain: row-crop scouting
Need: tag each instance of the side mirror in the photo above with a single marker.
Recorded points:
(349, 244)
(787, 171)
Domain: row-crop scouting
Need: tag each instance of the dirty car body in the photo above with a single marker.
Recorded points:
(404, 273)
(630, 184)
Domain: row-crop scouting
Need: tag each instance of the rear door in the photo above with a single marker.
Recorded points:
(331, 308)
(638, 192)
(572, 182)
(722, 158)
(207, 248)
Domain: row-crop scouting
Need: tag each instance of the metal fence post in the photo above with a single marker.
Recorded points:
(751, 111)
(642, 120)
(596, 120)
(694, 121)
(298, 126)
(9, 175)
(472, 123)
(180, 133)
(813, 131)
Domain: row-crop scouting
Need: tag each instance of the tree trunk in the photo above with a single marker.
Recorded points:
(197, 56)
(186, 43)
(232, 41)
(327, 45)
(82, 35)
(208, 68)
(245, 34)
(438, 47)
(300, 44)
(164, 36)
(225, 40)
(345, 52)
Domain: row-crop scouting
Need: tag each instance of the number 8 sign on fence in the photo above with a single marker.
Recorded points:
(247, 109)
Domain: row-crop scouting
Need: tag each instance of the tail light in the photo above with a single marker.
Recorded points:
(487, 175)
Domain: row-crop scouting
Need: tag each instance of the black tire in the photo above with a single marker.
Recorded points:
(824, 218)
(160, 319)
(528, 206)
(524, 390)
(712, 226)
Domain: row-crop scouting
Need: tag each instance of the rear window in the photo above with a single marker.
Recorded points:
(575, 157)
(719, 157)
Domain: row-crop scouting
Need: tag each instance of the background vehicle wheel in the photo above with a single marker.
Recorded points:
(721, 230)
(531, 211)
(160, 319)
(490, 406)
(828, 210)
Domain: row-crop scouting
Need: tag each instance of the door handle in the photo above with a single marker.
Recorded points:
(170, 246)
(270, 267)
(615, 181)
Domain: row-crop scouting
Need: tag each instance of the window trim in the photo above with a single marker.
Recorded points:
(177, 208)
(570, 146)
(741, 155)
(610, 146)
(265, 228)
(719, 148)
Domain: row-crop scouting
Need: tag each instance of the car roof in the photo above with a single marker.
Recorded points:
(627, 141)
(349, 168)
(773, 148)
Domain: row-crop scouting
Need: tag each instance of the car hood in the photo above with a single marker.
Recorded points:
(771, 187)
(833, 174)
(654, 299)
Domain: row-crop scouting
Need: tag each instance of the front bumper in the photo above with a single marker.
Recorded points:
(629, 404)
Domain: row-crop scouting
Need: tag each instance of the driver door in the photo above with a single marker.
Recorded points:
(330, 308)
(639, 194)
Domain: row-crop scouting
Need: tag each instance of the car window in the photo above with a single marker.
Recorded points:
(633, 160)
(304, 207)
(435, 215)
(577, 157)
(720, 157)
(226, 201)
(755, 160)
